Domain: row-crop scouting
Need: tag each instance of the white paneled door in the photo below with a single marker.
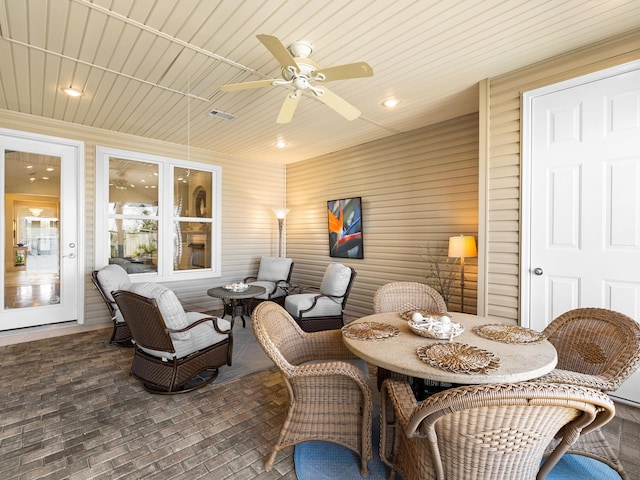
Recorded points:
(585, 201)
(42, 280)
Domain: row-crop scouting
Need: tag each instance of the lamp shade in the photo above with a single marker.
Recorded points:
(281, 213)
(462, 246)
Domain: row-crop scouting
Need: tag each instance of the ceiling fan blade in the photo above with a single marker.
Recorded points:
(351, 70)
(278, 50)
(289, 107)
(344, 108)
(233, 87)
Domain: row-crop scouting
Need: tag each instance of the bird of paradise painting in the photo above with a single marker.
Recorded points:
(345, 228)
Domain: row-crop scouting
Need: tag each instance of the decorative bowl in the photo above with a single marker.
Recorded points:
(237, 287)
(436, 329)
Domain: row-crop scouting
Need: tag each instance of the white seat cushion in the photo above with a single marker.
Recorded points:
(324, 307)
(170, 307)
(112, 278)
(335, 280)
(274, 269)
(202, 336)
(268, 286)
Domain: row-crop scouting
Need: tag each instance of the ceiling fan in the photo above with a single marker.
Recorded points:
(302, 73)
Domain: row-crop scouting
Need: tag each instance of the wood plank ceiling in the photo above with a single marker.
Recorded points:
(154, 68)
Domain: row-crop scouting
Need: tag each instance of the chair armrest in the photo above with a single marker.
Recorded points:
(575, 378)
(250, 279)
(336, 369)
(401, 397)
(324, 345)
(198, 322)
(317, 297)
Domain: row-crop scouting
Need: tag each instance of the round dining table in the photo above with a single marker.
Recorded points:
(511, 360)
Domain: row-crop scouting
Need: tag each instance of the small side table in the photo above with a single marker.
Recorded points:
(234, 300)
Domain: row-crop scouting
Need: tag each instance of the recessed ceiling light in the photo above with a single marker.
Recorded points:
(280, 144)
(390, 102)
(72, 92)
(50, 169)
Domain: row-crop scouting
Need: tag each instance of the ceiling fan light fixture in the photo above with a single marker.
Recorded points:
(72, 92)
(300, 49)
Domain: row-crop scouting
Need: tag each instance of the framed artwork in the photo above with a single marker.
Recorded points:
(345, 228)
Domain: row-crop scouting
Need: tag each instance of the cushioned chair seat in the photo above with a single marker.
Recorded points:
(173, 347)
(269, 287)
(107, 280)
(272, 274)
(201, 336)
(294, 304)
(323, 311)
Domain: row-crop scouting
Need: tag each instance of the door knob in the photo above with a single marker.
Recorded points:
(71, 255)
(538, 271)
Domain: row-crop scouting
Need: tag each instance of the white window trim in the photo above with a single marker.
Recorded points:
(165, 192)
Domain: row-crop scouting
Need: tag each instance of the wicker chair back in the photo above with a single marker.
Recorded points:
(496, 431)
(602, 347)
(404, 296)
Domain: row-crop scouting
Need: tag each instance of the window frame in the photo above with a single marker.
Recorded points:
(166, 168)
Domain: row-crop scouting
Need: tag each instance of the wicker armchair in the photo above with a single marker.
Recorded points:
(175, 351)
(107, 280)
(597, 348)
(403, 296)
(480, 432)
(325, 310)
(329, 398)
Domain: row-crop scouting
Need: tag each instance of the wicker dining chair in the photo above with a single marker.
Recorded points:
(597, 348)
(480, 432)
(175, 351)
(329, 398)
(402, 297)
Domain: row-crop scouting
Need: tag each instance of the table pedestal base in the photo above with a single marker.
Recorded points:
(236, 308)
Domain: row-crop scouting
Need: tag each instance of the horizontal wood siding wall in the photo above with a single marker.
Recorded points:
(503, 182)
(250, 190)
(417, 189)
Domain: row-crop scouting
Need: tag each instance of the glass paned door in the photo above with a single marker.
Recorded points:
(40, 277)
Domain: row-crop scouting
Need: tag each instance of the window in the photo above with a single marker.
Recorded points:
(157, 217)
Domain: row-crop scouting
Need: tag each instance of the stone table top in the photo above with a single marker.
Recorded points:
(517, 361)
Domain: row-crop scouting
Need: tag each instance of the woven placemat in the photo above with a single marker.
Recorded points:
(508, 333)
(369, 331)
(425, 313)
(458, 357)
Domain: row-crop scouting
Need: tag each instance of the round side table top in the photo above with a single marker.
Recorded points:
(221, 292)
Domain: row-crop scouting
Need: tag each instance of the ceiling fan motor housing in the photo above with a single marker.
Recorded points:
(300, 49)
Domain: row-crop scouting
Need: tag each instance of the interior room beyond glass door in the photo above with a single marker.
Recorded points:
(40, 242)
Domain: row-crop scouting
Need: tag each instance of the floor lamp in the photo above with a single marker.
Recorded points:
(462, 246)
(281, 214)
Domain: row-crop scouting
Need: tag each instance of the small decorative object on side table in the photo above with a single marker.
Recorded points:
(232, 297)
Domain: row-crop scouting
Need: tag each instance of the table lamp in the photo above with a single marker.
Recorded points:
(281, 214)
(462, 246)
